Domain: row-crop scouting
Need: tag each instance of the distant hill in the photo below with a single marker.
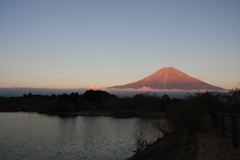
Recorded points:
(169, 78)
(18, 92)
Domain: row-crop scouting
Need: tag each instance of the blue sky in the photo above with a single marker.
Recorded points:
(79, 43)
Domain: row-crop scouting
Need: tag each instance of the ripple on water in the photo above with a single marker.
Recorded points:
(41, 137)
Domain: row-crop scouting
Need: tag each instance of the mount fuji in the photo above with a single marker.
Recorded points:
(169, 78)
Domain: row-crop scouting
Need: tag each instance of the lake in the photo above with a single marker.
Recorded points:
(42, 137)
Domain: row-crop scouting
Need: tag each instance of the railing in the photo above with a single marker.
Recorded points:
(229, 125)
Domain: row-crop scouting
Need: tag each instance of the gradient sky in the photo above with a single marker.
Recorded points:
(79, 43)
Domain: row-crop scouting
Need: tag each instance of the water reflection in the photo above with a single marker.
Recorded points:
(35, 136)
(66, 129)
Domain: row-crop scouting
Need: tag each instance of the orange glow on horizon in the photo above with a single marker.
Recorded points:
(94, 87)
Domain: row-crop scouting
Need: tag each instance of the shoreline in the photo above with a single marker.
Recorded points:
(115, 114)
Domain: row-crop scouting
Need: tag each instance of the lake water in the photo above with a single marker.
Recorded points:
(43, 137)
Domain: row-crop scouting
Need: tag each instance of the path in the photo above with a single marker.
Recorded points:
(212, 146)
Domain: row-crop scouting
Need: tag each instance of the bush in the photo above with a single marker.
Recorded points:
(185, 117)
(234, 99)
(162, 125)
(141, 143)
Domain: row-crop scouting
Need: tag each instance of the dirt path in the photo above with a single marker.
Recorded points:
(212, 146)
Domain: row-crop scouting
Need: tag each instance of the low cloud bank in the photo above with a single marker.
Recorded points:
(173, 93)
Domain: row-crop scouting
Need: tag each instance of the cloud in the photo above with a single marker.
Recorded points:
(145, 88)
(198, 78)
(95, 87)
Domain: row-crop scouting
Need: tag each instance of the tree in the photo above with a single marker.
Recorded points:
(30, 94)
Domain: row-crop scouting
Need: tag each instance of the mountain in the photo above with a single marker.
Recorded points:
(169, 78)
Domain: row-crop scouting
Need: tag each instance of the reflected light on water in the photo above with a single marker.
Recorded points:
(34, 136)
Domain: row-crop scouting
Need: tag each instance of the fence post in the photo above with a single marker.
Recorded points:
(214, 118)
(234, 131)
(218, 117)
(222, 125)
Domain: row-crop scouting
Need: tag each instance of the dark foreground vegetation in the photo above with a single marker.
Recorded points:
(183, 117)
(185, 120)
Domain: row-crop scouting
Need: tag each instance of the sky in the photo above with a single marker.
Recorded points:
(103, 43)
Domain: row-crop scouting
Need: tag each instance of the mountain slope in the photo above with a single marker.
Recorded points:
(169, 78)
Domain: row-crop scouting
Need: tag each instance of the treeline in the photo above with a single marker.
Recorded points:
(92, 100)
(101, 100)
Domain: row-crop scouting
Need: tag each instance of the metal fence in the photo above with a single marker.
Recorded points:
(229, 125)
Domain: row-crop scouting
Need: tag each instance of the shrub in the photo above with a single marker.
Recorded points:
(185, 117)
(235, 99)
(162, 125)
(141, 144)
